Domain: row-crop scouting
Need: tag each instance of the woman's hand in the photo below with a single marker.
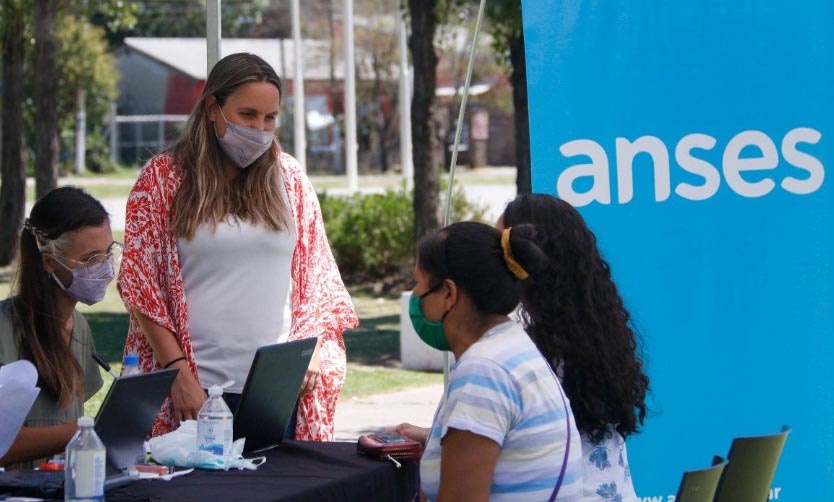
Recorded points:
(412, 432)
(187, 394)
(313, 375)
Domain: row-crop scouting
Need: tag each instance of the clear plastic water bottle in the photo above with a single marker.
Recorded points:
(130, 366)
(214, 424)
(84, 465)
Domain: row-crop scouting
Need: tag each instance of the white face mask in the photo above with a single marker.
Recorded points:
(244, 145)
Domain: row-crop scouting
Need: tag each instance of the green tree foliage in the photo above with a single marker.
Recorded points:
(372, 235)
(84, 63)
(93, 71)
(187, 18)
(81, 62)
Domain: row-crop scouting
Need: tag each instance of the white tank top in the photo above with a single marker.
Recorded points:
(237, 286)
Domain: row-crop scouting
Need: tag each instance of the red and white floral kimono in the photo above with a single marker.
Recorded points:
(150, 282)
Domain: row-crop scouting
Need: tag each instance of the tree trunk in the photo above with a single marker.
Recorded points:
(426, 173)
(518, 79)
(13, 190)
(46, 98)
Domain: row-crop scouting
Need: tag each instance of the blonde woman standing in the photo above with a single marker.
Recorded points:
(226, 252)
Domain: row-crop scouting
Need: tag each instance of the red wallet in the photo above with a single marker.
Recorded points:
(389, 447)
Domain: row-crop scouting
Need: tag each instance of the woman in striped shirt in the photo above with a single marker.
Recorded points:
(504, 429)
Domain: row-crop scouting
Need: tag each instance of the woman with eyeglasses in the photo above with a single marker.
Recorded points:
(504, 429)
(226, 252)
(67, 256)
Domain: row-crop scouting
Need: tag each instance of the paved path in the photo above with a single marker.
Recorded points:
(365, 415)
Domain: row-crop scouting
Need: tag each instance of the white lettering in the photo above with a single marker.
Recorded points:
(596, 173)
(626, 152)
(734, 165)
(699, 167)
(598, 170)
(803, 161)
(652, 499)
(774, 493)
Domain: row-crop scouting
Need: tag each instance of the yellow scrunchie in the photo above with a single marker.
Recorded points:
(513, 265)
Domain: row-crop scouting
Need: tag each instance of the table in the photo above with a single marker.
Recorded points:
(294, 471)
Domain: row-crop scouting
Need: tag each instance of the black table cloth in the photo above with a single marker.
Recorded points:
(294, 471)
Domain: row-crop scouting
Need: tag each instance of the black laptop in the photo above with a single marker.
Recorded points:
(127, 413)
(271, 392)
(123, 422)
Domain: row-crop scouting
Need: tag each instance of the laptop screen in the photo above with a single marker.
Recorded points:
(122, 423)
(127, 413)
(271, 392)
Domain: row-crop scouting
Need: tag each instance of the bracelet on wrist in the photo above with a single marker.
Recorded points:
(171, 363)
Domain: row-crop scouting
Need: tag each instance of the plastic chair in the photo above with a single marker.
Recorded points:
(751, 465)
(699, 485)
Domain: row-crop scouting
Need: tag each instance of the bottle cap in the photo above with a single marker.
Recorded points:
(215, 390)
(85, 421)
(131, 359)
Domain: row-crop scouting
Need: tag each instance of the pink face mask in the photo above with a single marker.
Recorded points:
(244, 145)
(89, 284)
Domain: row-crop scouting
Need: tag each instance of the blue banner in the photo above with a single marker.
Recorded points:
(695, 137)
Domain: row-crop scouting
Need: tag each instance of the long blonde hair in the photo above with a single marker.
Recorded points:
(206, 195)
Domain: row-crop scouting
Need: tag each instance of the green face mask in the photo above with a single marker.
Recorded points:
(429, 331)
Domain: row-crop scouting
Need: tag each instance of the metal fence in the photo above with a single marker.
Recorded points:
(135, 138)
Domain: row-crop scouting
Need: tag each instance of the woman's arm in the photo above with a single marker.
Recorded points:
(33, 443)
(186, 392)
(467, 465)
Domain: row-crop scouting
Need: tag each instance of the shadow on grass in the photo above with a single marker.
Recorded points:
(109, 332)
(376, 342)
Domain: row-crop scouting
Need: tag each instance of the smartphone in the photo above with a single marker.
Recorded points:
(388, 438)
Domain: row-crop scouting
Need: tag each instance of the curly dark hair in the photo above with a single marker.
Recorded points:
(575, 315)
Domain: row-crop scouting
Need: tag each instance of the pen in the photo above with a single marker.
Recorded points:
(104, 364)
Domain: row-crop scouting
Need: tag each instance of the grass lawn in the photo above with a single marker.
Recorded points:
(373, 349)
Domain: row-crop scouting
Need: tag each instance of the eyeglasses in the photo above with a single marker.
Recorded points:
(114, 252)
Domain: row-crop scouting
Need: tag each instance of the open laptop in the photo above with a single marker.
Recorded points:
(122, 423)
(127, 413)
(271, 392)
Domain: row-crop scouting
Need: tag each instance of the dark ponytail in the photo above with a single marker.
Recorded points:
(471, 255)
(34, 312)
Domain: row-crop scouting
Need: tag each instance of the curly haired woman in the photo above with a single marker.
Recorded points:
(575, 315)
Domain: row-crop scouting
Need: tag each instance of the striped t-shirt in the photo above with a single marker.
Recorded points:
(502, 388)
